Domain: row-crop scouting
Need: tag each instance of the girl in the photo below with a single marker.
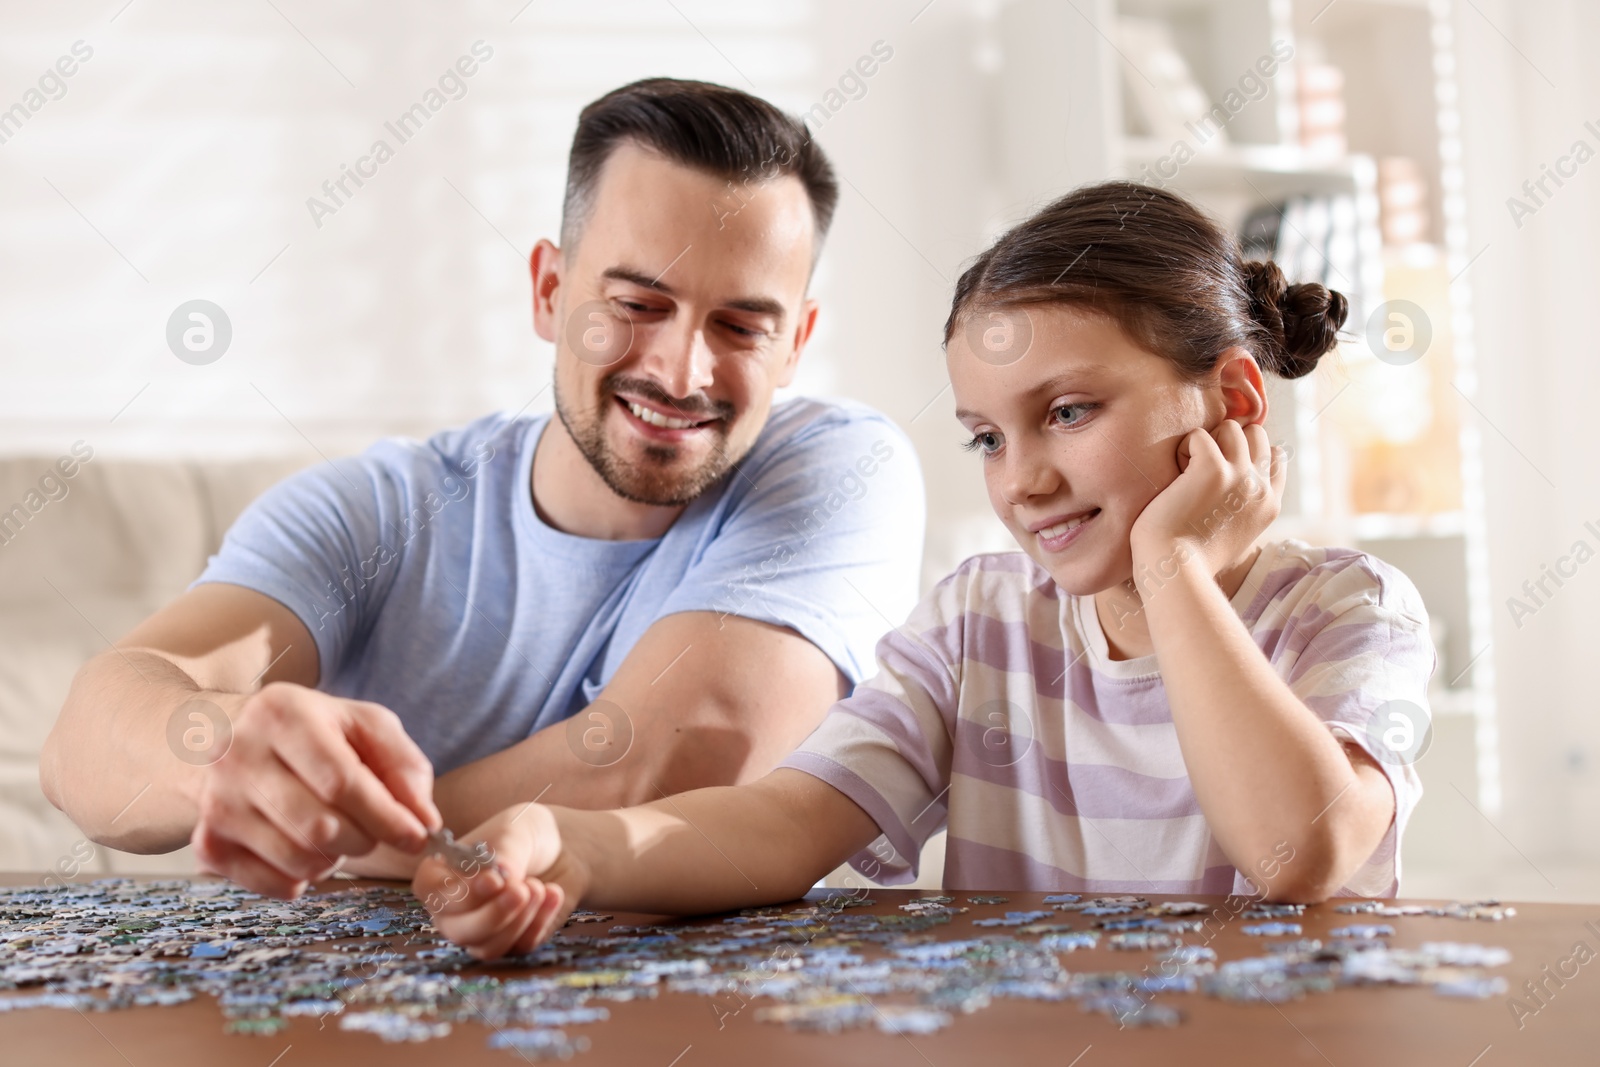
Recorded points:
(1145, 699)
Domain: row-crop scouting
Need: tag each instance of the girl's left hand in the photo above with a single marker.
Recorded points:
(1228, 491)
(514, 903)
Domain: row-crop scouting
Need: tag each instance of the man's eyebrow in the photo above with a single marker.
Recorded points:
(1049, 385)
(756, 305)
(637, 277)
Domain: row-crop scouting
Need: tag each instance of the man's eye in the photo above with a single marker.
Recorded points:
(745, 331)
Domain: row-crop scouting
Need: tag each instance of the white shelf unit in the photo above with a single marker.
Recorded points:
(1062, 106)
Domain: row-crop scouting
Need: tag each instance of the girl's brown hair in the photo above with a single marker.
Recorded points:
(1169, 275)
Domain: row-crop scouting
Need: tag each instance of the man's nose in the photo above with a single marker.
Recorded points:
(680, 360)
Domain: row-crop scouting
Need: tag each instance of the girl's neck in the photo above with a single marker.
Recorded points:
(1121, 610)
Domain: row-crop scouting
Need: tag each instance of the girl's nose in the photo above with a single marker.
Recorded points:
(1028, 473)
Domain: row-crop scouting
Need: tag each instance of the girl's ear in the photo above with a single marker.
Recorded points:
(1244, 393)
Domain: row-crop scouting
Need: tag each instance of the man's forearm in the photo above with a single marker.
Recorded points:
(559, 766)
(108, 763)
(540, 768)
(701, 700)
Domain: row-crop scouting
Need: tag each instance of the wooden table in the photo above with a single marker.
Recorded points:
(1354, 1027)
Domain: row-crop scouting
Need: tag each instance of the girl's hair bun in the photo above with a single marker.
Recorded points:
(1301, 322)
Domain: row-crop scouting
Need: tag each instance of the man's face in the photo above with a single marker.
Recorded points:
(677, 315)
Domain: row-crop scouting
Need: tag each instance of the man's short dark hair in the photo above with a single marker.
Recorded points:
(712, 128)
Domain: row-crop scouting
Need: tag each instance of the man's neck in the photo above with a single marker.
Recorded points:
(570, 495)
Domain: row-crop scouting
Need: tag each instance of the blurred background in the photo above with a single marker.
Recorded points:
(1430, 158)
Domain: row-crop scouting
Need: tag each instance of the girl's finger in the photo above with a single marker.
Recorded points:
(477, 927)
(1260, 446)
(1279, 469)
(511, 930)
(1259, 457)
(1231, 442)
(445, 890)
(1198, 445)
(550, 914)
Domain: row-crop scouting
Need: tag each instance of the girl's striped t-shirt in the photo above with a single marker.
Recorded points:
(997, 712)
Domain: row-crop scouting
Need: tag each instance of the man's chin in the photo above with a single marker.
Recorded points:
(662, 475)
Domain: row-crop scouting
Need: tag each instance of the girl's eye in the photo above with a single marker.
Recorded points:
(1068, 414)
(987, 443)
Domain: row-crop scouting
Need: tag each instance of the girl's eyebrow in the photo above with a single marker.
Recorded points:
(1053, 384)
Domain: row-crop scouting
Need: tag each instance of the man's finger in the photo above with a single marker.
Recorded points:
(292, 856)
(239, 864)
(307, 731)
(322, 758)
(290, 805)
(381, 741)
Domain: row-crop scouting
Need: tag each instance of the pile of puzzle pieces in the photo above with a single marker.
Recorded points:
(369, 957)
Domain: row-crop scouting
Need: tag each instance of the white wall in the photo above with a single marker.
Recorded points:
(1529, 87)
(179, 162)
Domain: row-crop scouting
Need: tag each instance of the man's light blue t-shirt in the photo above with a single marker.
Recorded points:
(433, 587)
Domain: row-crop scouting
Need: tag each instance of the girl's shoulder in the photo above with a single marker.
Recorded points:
(1004, 586)
(1292, 577)
(996, 576)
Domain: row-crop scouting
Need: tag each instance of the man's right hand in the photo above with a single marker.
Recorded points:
(307, 780)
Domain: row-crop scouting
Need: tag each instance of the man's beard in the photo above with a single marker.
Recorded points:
(654, 481)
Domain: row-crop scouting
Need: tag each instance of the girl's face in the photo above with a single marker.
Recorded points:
(1078, 428)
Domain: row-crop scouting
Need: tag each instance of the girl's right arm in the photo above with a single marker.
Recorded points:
(704, 851)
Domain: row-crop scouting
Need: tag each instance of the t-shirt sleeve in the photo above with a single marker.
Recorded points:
(887, 746)
(323, 543)
(1362, 657)
(826, 540)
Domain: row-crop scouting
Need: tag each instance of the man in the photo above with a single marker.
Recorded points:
(662, 587)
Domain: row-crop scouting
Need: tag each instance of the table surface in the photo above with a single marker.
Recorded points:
(1413, 1027)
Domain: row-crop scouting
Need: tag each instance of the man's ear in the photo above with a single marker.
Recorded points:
(545, 266)
(1244, 393)
(802, 334)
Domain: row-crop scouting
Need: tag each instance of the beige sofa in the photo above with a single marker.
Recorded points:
(82, 559)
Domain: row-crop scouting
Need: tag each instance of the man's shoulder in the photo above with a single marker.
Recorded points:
(805, 430)
(491, 441)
